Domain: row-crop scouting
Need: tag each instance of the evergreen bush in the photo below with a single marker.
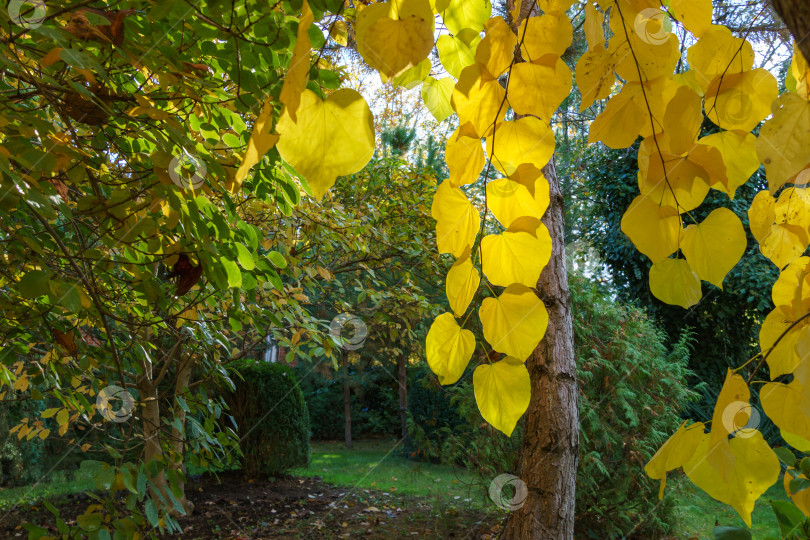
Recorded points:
(271, 416)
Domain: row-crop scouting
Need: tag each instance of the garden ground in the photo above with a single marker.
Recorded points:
(371, 491)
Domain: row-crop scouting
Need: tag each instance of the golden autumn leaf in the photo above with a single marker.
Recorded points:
(619, 125)
(396, 36)
(545, 34)
(673, 282)
(594, 75)
(674, 453)
(261, 141)
(718, 53)
(527, 140)
(496, 52)
(646, 51)
(756, 468)
(681, 182)
(594, 27)
(741, 100)
(479, 98)
(682, 121)
(465, 158)
(761, 215)
(784, 244)
(715, 246)
(502, 392)
(696, 15)
(514, 257)
(738, 149)
(295, 81)
(655, 230)
(782, 359)
(509, 200)
(788, 405)
(732, 412)
(461, 284)
(449, 348)
(799, 72)
(515, 322)
(784, 141)
(793, 208)
(538, 89)
(791, 292)
(458, 221)
(331, 138)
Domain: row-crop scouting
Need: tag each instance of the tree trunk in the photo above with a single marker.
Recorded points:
(402, 380)
(796, 14)
(178, 438)
(549, 455)
(347, 402)
(153, 450)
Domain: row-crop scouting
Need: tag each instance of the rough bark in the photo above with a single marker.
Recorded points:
(550, 450)
(796, 14)
(402, 380)
(347, 402)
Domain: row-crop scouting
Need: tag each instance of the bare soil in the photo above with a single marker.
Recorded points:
(231, 507)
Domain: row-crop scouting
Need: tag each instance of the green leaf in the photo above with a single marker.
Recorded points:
(47, 413)
(731, 533)
(277, 259)
(789, 517)
(89, 522)
(234, 275)
(244, 257)
(799, 484)
(805, 467)
(785, 456)
(34, 284)
(34, 531)
(151, 512)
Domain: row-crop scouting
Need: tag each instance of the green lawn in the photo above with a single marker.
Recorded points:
(380, 465)
(57, 484)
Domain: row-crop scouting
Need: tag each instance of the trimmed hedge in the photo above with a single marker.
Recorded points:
(271, 417)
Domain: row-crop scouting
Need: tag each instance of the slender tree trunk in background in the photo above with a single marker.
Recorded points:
(796, 14)
(550, 451)
(178, 438)
(402, 380)
(150, 416)
(347, 401)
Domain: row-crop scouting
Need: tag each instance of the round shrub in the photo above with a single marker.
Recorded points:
(271, 417)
